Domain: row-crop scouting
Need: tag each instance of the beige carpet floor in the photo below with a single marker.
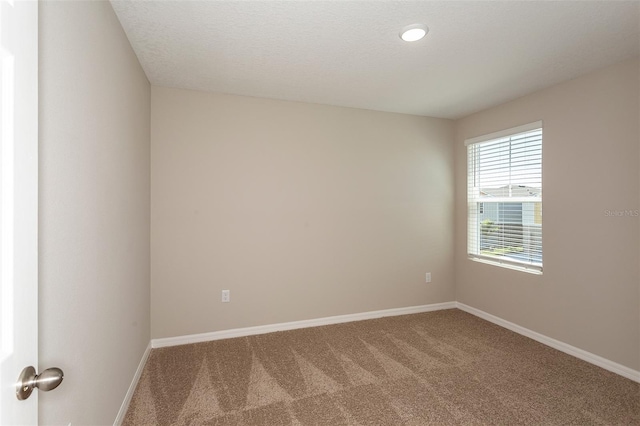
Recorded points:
(444, 367)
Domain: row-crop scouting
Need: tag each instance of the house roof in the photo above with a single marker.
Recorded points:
(511, 191)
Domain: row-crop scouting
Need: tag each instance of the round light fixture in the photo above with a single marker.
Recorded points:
(414, 32)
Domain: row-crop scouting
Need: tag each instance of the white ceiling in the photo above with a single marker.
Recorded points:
(348, 53)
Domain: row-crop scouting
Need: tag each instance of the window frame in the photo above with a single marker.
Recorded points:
(474, 203)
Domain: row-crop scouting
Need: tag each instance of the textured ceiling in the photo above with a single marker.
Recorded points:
(348, 53)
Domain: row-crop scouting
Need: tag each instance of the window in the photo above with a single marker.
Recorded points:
(504, 196)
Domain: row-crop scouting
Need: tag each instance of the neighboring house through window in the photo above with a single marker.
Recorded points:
(504, 197)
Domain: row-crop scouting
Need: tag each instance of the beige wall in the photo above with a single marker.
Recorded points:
(302, 211)
(94, 211)
(588, 294)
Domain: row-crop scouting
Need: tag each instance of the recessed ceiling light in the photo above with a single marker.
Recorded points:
(414, 32)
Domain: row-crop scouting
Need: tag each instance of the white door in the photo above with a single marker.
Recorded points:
(18, 205)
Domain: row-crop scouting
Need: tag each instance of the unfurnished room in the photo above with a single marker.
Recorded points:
(319, 212)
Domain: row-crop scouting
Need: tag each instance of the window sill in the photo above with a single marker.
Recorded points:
(522, 268)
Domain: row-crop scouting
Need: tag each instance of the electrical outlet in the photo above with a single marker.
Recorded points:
(226, 296)
(428, 277)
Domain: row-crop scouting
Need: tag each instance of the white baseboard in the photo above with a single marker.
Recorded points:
(262, 329)
(132, 387)
(614, 367)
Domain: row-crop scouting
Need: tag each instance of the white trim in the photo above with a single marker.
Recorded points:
(529, 268)
(262, 329)
(614, 367)
(502, 133)
(132, 387)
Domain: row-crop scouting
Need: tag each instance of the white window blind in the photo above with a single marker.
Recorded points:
(504, 195)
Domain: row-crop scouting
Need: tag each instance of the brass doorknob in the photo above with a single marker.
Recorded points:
(48, 380)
